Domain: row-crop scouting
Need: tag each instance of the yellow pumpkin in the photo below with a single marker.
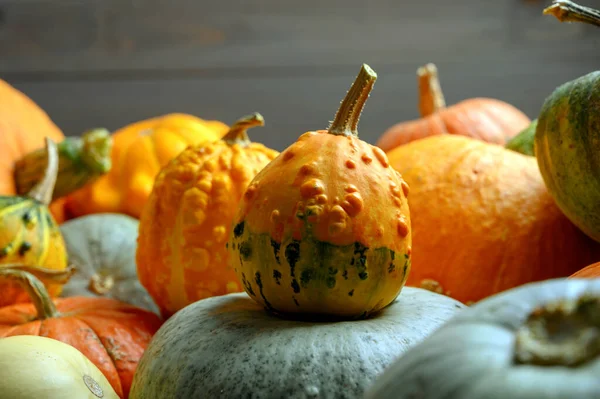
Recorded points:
(324, 229)
(181, 255)
(139, 151)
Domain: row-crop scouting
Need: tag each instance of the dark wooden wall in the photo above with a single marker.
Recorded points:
(110, 62)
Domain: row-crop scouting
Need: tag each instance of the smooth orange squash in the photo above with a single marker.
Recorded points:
(486, 119)
(484, 221)
(181, 254)
(139, 151)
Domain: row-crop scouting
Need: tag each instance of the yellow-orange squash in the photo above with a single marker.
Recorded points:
(487, 119)
(324, 229)
(29, 234)
(181, 255)
(486, 222)
(139, 151)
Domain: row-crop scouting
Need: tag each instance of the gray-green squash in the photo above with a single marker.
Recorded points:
(230, 347)
(102, 248)
(540, 340)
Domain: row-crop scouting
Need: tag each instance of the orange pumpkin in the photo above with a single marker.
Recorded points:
(486, 119)
(590, 271)
(112, 334)
(484, 220)
(23, 128)
(139, 151)
(181, 254)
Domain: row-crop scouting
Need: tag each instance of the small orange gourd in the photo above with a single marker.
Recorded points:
(181, 255)
(139, 151)
(486, 119)
(324, 229)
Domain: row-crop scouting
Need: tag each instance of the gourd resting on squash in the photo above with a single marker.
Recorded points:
(230, 347)
(33, 367)
(29, 234)
(486, 119)
(139, 152)
(181, 254)
(486, 220)
(325, 227)
(540, 340)
(111, 334)
(102, 249)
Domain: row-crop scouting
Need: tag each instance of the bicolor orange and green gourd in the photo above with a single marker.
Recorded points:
(324, 229)
(181, 254)
(29, 235)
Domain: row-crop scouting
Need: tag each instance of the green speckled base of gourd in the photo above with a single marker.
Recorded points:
(567, 147)
(310, 275)
(229, 347)
(524, 141)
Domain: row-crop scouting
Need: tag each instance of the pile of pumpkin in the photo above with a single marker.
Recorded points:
(176, 258)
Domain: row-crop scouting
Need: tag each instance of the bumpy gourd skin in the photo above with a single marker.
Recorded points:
(181, 255)
(324, 228)
(567, 141)
(29, 235)
(139, 151)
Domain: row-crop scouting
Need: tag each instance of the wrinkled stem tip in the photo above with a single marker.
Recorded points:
(568, 11)
(427, 69)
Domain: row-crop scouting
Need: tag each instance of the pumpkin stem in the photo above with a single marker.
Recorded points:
(42, 191)
(346, 119)
(567, 11)
(564, 333)
(81, 160)
(238, 134)
(35, 288)
(431, 97)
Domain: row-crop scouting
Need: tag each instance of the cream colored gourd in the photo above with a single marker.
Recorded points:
(540, 340)
(33, 367)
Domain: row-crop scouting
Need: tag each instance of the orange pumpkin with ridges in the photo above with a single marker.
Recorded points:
(487, 119)
(486, 222)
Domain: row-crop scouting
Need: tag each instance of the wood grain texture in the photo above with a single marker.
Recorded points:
(110, 62)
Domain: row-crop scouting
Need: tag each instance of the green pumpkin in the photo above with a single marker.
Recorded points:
(523, 142)
(230, 347)
(540, 340)
(567, 148)
(29, 235)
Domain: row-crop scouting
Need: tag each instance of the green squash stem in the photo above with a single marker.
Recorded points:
(81, 160)
(346, 119)
(238, 134)
(431, 97)
(24, 275)
(568, 11)
(524, 141)
(42, 191)
(564, 333)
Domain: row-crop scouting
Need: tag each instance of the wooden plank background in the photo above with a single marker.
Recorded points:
(110, 62)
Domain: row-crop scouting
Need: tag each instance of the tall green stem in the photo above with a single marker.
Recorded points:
(346, 119)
